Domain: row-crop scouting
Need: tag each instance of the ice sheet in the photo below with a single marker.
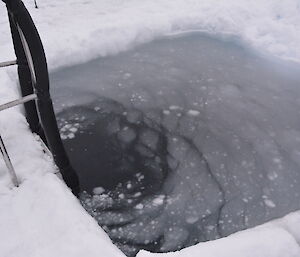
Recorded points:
(194, 138)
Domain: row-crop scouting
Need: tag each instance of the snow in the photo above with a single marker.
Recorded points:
(41, 217)
(89, 29)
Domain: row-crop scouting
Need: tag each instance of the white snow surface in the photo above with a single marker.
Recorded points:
(42, 217)
(75, 31)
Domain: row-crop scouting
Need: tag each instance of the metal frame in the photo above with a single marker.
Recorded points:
(6, 64)
(19, 101)
(6, 106)
(8, 163)
(34, 83)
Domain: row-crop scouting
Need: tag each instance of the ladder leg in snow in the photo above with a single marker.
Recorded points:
(8, 163)
(2, 146)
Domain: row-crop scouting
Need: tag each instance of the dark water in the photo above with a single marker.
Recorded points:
(185, 139)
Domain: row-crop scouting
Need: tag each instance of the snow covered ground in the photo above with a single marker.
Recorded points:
(41, 217)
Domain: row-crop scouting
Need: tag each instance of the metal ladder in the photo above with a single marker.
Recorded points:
(3, 107)
(34, 84)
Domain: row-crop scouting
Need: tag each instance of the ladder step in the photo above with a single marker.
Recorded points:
(18, 101)
(9, 63)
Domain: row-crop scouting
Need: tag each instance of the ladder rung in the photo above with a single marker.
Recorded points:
(9, 63)
(18, 101)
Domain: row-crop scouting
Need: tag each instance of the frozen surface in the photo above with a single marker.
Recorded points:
(274, 239)
(32, 219)
(193, 138)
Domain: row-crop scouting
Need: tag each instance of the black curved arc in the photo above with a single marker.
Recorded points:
(34, 78)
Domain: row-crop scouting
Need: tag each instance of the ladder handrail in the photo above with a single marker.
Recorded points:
(34, 80)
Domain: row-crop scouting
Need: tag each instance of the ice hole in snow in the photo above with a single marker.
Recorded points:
(182, 140)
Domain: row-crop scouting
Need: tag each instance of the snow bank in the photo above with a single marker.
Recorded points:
(41, 219)
(89, 29)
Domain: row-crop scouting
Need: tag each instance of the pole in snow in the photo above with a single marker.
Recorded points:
(35, 4)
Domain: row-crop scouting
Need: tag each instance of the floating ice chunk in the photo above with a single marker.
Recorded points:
(98, 190)
(272, 175)
(127, 75)
(140, 176)
(210, 228)
(158, 200)
(67, 131)
(71, 135)
(277, 160)
(139, 206)
(175, 107)
(192, 219)
(137, 194)
(193, 112)
(73, 129)
(269, 203)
